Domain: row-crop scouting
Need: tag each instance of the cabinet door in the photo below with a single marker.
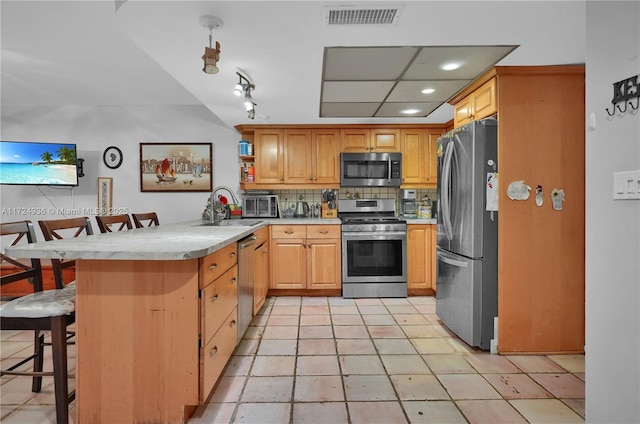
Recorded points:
(326, 156)
(484, 100)
(268, 152)
(430, 163)
(324, 264)
(355, 140)
(297, 157)
(289, 263)
(418, 256)
(385, 140)
(412, 156)
(463, 111)
(260, 276)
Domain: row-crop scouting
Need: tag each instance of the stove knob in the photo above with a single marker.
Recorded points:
(388, 227)
(374, 227)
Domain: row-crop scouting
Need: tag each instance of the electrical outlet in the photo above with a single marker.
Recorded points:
(626, 185)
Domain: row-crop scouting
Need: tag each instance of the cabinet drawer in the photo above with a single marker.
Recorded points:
(216, 353)
(218, 300)
(323, 231)
(214, 265)
(262, 235)
(288, 231)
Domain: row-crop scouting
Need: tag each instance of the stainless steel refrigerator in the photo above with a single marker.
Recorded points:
(467, 232)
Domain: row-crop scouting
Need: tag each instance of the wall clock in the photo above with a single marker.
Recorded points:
(112, 157)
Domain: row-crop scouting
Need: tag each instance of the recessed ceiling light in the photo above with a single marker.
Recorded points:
(428, 91)
(410, 111)
(450, 66)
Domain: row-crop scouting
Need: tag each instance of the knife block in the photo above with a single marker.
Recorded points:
(328, 213)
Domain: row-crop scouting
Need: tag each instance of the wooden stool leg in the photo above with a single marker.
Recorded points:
(60, 377)
(38, 351)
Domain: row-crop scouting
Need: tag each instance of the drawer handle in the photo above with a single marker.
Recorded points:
(288, 231)
(265, 251)
(232, 323)
(212, 267)
(232, 281)
(232, 254)
(324, 231)
(214, 298)
(213, 351)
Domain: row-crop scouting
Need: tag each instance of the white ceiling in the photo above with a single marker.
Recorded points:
(141, 52)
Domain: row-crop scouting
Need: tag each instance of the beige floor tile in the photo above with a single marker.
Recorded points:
(410, 319)
(315, 310)
(535, 363)
(213, 413)
(379, 320)
(490, 412)
(376, 413)
(368, 301)
(422, 300)
(315, 320)
(578, 405)
(433, 412)
(280, 332)
(448, 364)
(394, 347)
(355, 346)
(319, 300)
(32, 414)
(368, 388)
(420, 331)
(419, 387)
(16, 391)
(314, 413)
(319, 388)
(247, 347)
(317, 365)
(432, 345)
(285, 310)
(468, 386)
(426, 308)
(404, 364)
(571, 363)
(287, 301)
(350, 319)
(273, 366)
(283, 320)
(277, 347)
(262, 413)
(402, 309)
(517, 386)
(344, 309)
(268, 389)
(396, 301)
(254, 332)
(385, 332)
(341, 301)
(316, 347)
(228, 389)
(316, 332)
(486, 363)
(546, 411)
(351, 332)
(561, 385)
(582, 376)
(361, 364)
(20, 348)
(373, 310)
(260, 320)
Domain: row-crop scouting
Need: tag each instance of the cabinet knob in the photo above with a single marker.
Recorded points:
(212, 267)
(213, 351)
(232, 281)
(232, 323)
(214, 298)
(324, 231)
(265, 251)
(281, 178)
(232, 254)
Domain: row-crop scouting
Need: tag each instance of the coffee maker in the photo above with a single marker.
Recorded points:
(408, 203)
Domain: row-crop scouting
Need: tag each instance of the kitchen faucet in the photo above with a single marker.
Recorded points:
(218, 210)
(216, 189)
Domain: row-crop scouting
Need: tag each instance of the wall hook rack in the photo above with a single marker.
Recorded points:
(624, 92)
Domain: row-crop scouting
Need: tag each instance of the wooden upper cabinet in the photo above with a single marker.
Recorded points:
(419, 160)
(385, 140)
(312, 156)
(297, 156)
(370, 140)
(268, 145)
(477, 105)
(355, 139)
(326, 156)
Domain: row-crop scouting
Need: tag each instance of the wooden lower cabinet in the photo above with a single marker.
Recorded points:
(305, 257)
(261, 269)
(421, 259)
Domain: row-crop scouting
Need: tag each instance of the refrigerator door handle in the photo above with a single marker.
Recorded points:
(446, 189)
(453, 262)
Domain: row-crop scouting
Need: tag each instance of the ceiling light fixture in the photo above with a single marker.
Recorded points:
(410, 111)
(450, 66)
(211, 55)
(245, 86)
(428, 91)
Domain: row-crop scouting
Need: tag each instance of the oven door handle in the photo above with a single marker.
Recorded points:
(365, 234)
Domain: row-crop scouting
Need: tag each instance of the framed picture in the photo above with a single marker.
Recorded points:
(105, 195)
(176, 167)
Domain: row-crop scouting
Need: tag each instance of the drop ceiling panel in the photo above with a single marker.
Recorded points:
(356, 91)
(410, 91)
(394, 110)
(347, 110)
(366, 63)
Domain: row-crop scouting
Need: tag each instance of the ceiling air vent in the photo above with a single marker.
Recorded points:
(351, 15)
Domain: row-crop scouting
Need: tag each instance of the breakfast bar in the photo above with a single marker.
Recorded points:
(140, 325)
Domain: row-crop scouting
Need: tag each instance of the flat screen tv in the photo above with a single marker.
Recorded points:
(38, 163)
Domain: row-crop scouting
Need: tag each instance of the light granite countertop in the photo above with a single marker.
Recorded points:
(185, 240)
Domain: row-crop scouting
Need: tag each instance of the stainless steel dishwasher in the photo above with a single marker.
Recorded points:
(245, 283)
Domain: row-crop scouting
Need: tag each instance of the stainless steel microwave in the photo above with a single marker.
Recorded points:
(374, 169)
(265, 206)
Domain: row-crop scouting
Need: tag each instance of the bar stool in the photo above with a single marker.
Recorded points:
(148, 219)
(106, 221)
(49, 310)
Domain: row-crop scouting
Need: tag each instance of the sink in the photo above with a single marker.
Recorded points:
(230, 223)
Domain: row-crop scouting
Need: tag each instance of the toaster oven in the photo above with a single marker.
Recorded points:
(263, 206)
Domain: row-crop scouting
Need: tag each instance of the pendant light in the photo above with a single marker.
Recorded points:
(211, 54)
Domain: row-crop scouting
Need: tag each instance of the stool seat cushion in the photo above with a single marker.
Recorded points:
(48, 303)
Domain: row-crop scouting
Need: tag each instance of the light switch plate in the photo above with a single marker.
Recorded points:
(626, 185)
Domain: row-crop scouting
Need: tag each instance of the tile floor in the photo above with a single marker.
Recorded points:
(332, 360)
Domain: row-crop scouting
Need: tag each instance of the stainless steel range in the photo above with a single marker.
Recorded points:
(374, 249)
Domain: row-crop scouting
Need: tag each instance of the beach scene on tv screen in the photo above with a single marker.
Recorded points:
(38, 163)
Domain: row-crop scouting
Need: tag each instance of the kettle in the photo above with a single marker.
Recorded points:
(302, 210)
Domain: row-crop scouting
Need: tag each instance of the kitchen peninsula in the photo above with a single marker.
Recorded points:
(146, 349)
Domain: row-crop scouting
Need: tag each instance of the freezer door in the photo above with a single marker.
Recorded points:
(459, 295)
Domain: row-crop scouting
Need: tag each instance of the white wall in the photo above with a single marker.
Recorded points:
(613, 227)
(97, 127)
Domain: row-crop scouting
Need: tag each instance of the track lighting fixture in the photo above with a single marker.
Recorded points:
(211, 55)
(245, 86)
